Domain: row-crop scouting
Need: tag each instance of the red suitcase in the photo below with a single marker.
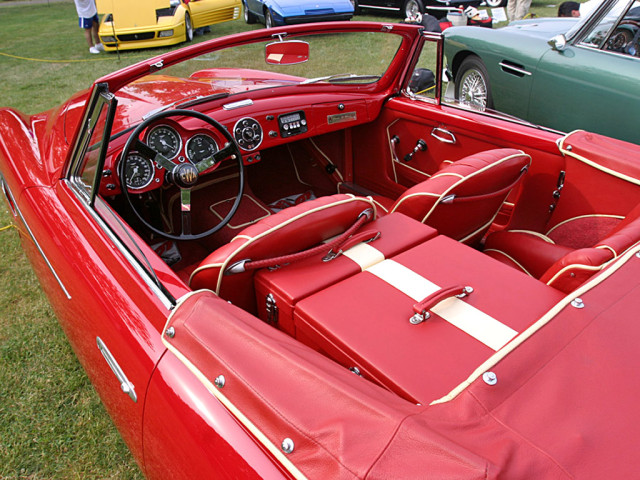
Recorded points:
(364, 322)
(278, 291)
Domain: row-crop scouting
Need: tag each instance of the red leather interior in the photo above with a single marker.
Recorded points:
(363, 321)
(291, 283)
(526, 251)
(562, 267)
(288, 231)
(463, 198)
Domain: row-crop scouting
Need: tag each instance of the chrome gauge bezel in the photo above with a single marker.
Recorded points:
(205, 135)
(247, 122)
(151, 175)
(172, 131)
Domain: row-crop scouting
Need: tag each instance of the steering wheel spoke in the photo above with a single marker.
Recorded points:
(146, 151)
(229, 150)
(206, 164)
(185, 209)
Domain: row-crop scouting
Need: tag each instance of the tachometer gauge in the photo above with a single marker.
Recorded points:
(139, 171)
(201, 146)
(165, 140)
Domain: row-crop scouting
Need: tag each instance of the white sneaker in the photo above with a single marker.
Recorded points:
(93, 50)
(99, 46)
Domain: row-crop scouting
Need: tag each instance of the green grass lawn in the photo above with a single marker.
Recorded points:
(52, 424)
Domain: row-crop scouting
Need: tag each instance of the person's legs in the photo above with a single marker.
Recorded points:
(511, 10)
(87, 35)
(522, 8)
(94, 33)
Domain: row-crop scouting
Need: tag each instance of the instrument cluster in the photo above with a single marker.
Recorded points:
(175, 144)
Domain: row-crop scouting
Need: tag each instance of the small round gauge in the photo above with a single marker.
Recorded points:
(165, 140)
(139, 171)
(201, 146)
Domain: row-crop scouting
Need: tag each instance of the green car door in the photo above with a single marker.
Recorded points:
(594, 77)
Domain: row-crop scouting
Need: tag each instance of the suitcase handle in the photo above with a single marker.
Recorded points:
(422, 308)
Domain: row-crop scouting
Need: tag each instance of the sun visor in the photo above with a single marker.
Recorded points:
(128, 14)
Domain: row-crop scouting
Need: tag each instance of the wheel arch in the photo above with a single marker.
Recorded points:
(460, 57)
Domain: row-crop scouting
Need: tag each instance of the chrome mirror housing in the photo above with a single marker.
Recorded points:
(559, 43)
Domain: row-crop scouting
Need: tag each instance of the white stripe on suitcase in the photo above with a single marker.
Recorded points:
(457, 312)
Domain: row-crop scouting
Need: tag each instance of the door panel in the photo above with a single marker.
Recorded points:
(411, 120)
(97, 295)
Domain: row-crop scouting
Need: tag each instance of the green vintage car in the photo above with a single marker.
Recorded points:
(562, 73)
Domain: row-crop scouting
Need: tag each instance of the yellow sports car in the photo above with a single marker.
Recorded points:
(128, 25)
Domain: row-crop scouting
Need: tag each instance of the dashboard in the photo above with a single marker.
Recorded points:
(181, 139)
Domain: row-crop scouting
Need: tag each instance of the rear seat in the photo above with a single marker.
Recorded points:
(562, 267)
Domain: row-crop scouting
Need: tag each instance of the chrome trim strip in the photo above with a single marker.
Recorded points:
(7, 194)
(12, 201)
(375, 7)
(514, 69)
(238, 104)
(116, 241)
(125, 385)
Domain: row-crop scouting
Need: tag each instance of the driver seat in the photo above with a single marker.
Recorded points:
(289, 231)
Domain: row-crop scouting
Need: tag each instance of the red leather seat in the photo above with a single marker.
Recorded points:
(291, 230)
(462, 200)
(560, 266)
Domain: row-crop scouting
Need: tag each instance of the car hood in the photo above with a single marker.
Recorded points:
(541, 27)
(154, 92)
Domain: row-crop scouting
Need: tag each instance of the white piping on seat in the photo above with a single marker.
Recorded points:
(534, 234)
(510, 258)
(462, 179)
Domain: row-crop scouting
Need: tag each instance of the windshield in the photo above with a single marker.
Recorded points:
(348, 58)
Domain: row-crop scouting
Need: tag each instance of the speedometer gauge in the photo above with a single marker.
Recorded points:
(139, 171)
(201, 146)
(165, 140)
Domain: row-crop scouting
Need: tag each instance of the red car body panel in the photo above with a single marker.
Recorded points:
(563, 404)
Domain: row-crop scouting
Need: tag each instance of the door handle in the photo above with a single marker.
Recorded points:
(447, 136)
(125, 385)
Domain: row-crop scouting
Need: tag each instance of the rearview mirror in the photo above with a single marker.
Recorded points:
(287, 52)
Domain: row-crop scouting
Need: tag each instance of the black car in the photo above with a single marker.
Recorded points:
(409, 8)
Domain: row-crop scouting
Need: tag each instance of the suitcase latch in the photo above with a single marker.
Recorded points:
(272, 309)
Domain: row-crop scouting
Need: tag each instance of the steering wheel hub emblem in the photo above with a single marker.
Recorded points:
(185, 175)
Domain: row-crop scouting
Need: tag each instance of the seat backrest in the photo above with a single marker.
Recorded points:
(576, 267)
(462, 200)
(290, 230)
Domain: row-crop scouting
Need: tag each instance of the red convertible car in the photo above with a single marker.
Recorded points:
(279, 255)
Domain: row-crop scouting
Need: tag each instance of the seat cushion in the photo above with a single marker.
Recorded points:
(527, 251)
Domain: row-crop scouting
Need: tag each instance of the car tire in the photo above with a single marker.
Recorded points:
(249, 17)
(188, 28)
(411, 8)
(496, 3)
(268, 19)
(472, 84)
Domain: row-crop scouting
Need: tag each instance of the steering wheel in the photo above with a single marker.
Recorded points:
(184, 175)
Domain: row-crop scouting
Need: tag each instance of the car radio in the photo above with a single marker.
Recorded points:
(292, 124)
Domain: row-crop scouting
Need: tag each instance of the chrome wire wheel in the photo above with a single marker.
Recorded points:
(412, 8)
(472, 84)
(473, 90)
